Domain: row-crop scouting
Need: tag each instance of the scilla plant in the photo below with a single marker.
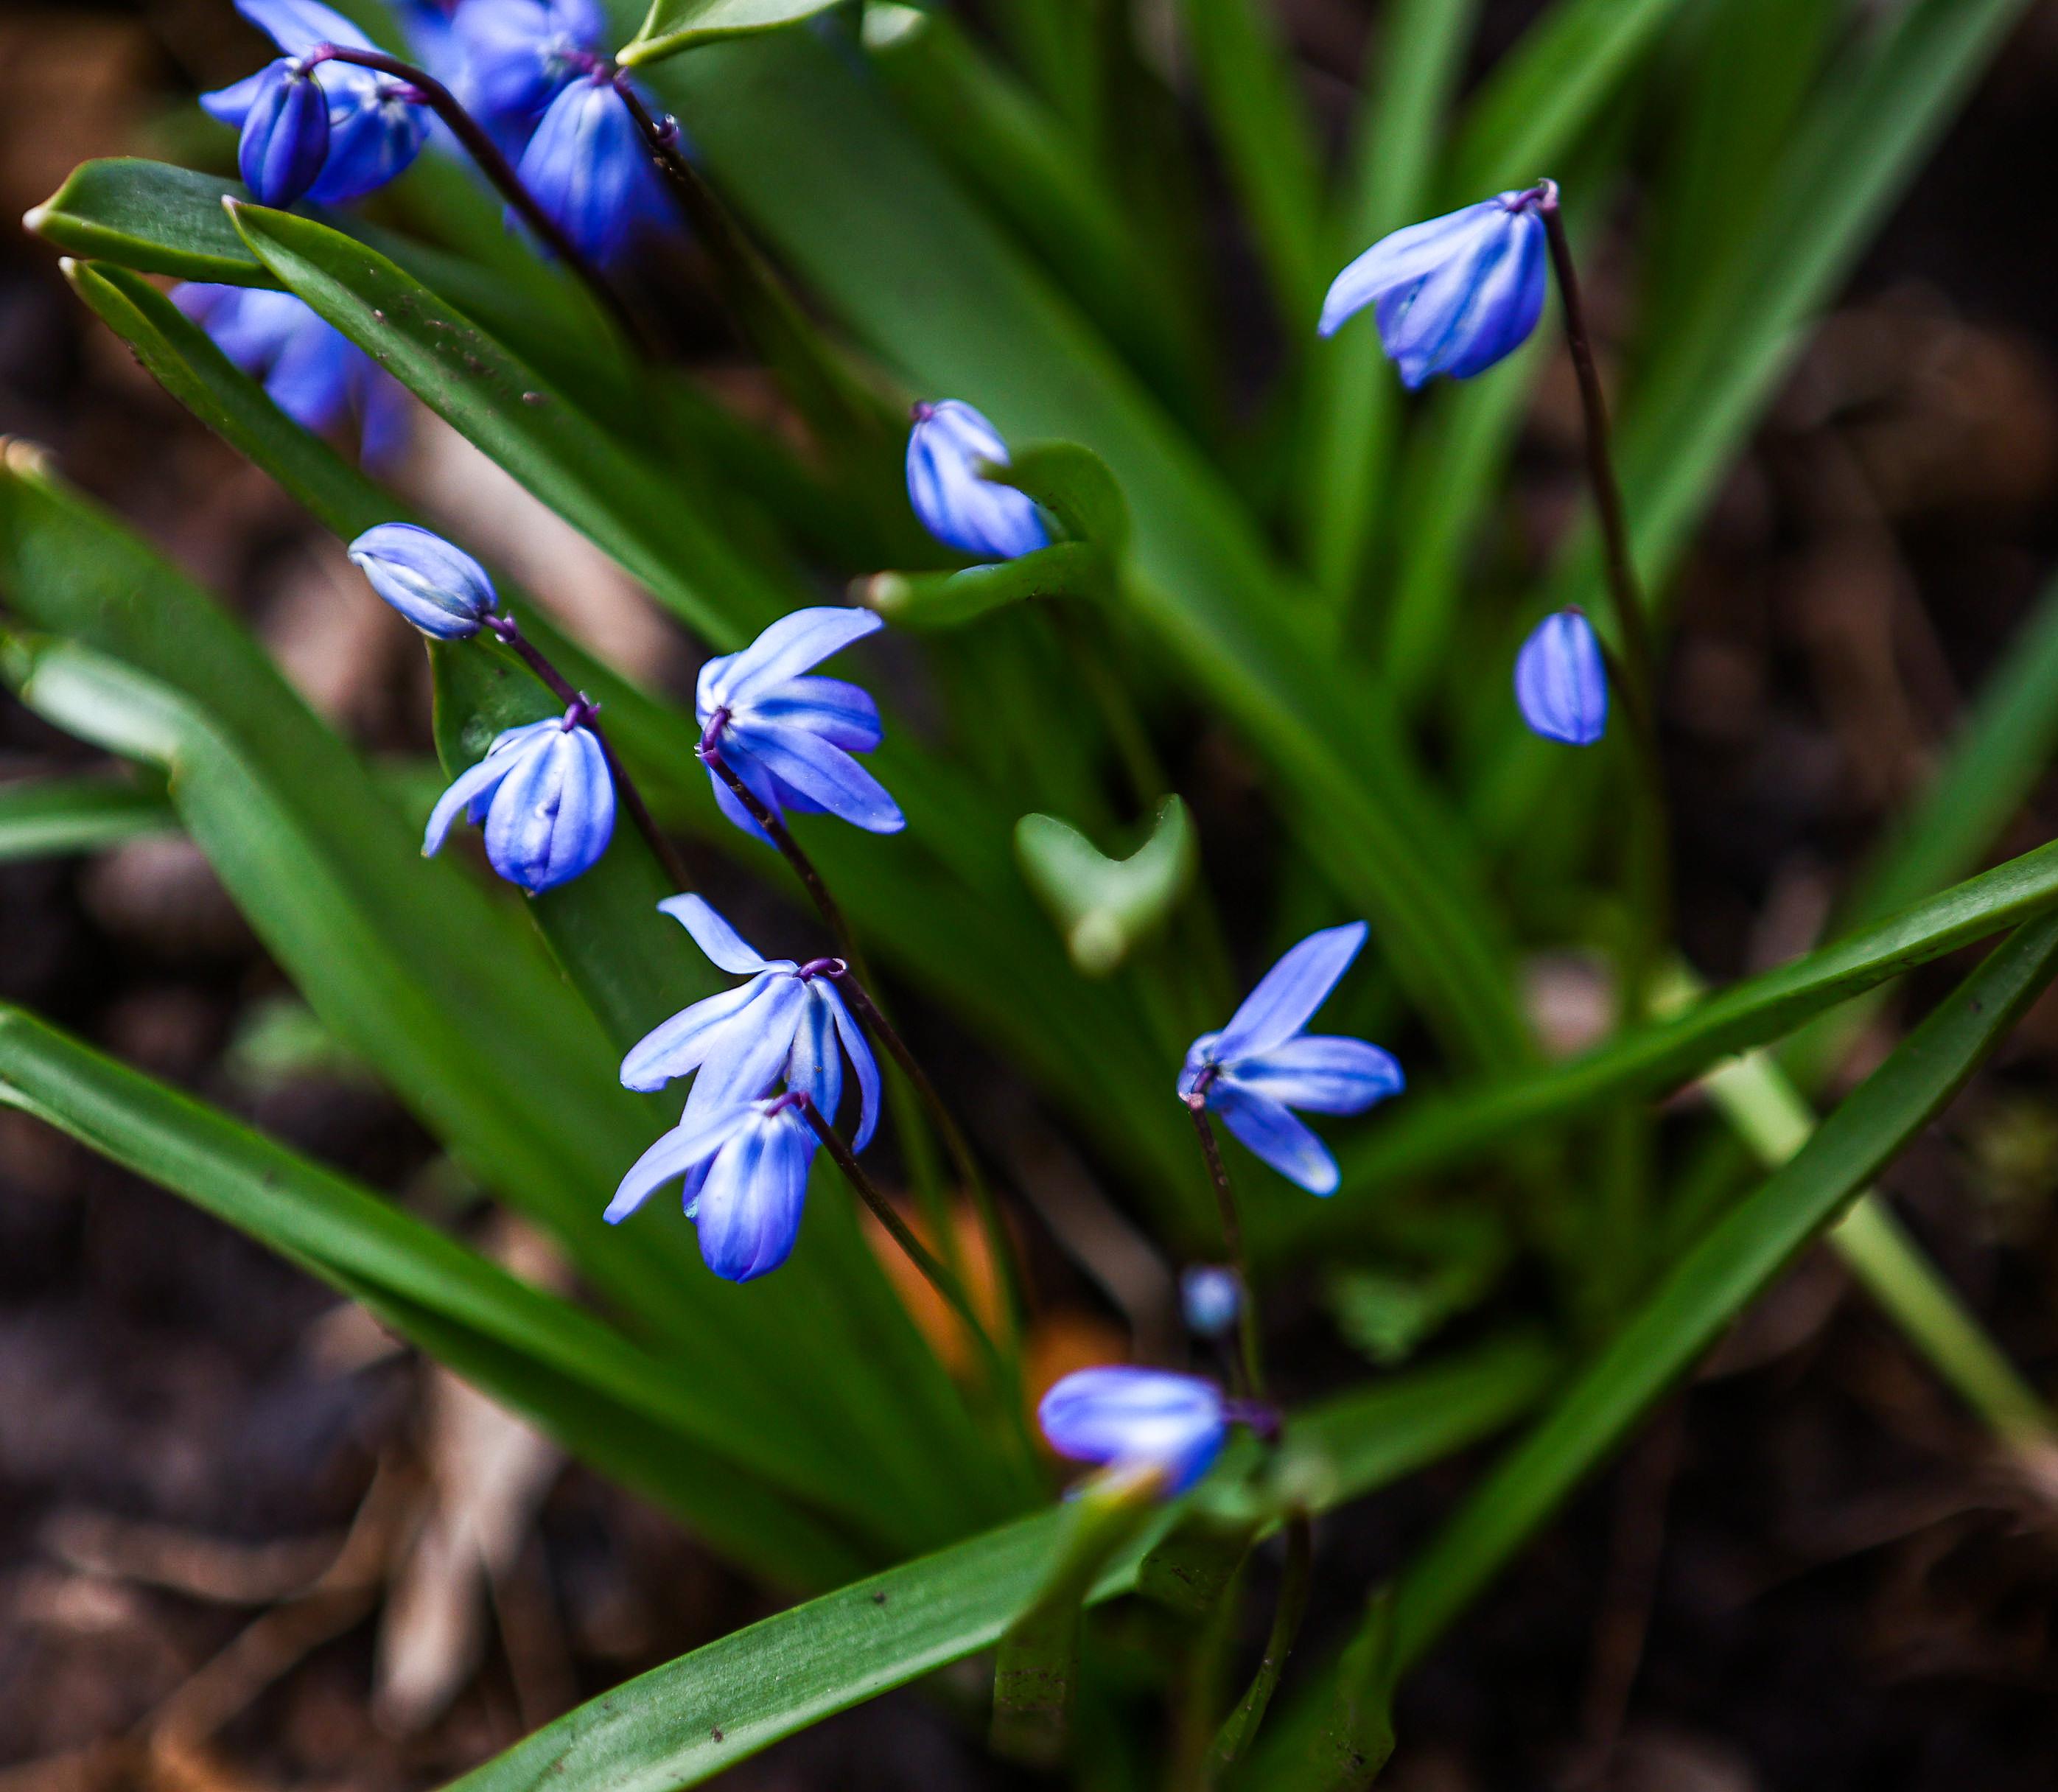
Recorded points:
(959, 651)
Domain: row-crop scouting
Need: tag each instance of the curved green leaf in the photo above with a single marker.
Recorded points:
(675, 24)
(1106, 907)
(43, 818)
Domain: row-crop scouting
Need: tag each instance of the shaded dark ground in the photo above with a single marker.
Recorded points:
(1846, 1593)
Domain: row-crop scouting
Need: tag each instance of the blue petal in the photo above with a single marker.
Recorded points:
(859, 1049)
(384, 415)
(481, 781)
(437, 587)
(725, 948)
(232, 103)
(297, 26)
(375, 134)
(552, 817)
(784, 650)
(1401, 260)
(589, 168)
(285, 135)
(946, 449)
(816, 1067)
(750, 1205)
(841, 713)
(674, 1155)
(1270, 1132)
(311, 375)
(1324, 1074)
(761, 783)
(1286, 999)
(1430, 324)
(1137, 1418)
(746, 1054)
(519, 52)
(1561, 681)
(1507, 304)
(824, 773)
(675, 1047)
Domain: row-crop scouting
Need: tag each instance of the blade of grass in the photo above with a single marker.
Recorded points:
(42, 818)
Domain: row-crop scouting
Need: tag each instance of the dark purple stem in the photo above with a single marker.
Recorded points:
(506, 630)
(1250, 1367)
(497, 168)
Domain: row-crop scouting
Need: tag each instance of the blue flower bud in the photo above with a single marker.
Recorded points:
(1561, 681)
(546, 797)
(1454, 295)
(440, 589)
(285, 135)
(1211, 1297)
(1138, 1420)
(948, 445)
(590, 169)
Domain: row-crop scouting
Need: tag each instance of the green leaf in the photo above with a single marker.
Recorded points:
(1036, 1669)
(488, 394)
(1261, 122)
(1106, 907)
(696, 1717)
(949, 600)
(678, 25)
(1074, 484)
(150, 216)
(1708, 1287)
(601, 1395)
(41, 818)
(1357, 1739)
(1436, 1133)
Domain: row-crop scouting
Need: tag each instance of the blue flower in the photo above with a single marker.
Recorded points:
(784, 1023)
(285, 135)
(519, 54)
(1561, 681)
(312, 372)
(376, 129)
(440, 589)
(591, 171)
(788, 738)
(1211, 1297)
(1454, 295)
(746, 1168)
(1139, 1420)
(545, 795)
(1264, 1063)
(948, 445)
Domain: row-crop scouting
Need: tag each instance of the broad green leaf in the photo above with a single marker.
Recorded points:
(487, 393)
(677, 24)
(42, 817)
(1438, 1132)
(697, 1716)
(1542, 93)
(1260, 123)
(1074, 484)
(1106, 907)
(1708, 1287)
(604, 1398)
(1701, 1293)
(812, 156)
(949, 600)
(1036, 1667)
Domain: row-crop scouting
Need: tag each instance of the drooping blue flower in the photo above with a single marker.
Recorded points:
(784, 1024)
(745, 1170)
(1454, 295)
(519, 54)
(946, 447)
(285, 135)
(375, 128)
(590, 169)
(544, 793)
(1211, 1297)
(1138, 1421)
(790, 738)
(1264, 1063)
(439, 588)
(312, 372)
(1561, 681)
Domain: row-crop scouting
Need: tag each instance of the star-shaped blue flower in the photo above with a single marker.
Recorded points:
(1264, 1063)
